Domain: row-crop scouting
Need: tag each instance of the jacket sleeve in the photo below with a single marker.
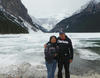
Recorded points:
(46, 53)
(71, 49)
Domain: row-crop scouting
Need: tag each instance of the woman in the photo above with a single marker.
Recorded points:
(50, 52)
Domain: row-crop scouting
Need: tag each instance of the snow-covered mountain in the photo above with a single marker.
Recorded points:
(96, 1)
(35, 20)
(85, 20)
(15, 18)
(49, 22)
(38, 24)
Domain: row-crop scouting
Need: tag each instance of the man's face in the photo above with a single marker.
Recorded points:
(62, 36)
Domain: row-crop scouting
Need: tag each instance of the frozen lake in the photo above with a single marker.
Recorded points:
(28, 49)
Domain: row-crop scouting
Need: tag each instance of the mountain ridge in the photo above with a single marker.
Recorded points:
(18, 12)
(84, 21)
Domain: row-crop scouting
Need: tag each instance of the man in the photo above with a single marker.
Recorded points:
(65, 54)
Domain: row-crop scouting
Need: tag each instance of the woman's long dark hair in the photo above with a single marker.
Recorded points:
(51, 38)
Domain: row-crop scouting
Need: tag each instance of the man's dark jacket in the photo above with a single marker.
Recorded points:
(65, 48)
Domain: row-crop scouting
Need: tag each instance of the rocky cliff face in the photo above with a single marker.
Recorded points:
(87, 20)
(16, 8)
(15, 12)
(9, 24)
(92, 7)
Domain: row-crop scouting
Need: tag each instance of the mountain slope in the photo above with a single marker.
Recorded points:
(7, 25)
(16, 8)
(15, 12)
(85, 21)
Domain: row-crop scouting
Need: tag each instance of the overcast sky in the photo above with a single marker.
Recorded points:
(46, 8)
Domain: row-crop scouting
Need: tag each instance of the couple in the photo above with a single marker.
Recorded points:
(58, 50)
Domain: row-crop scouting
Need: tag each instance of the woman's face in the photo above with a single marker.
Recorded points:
(53, 40)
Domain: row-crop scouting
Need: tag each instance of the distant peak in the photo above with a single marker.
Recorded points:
(94, 1)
